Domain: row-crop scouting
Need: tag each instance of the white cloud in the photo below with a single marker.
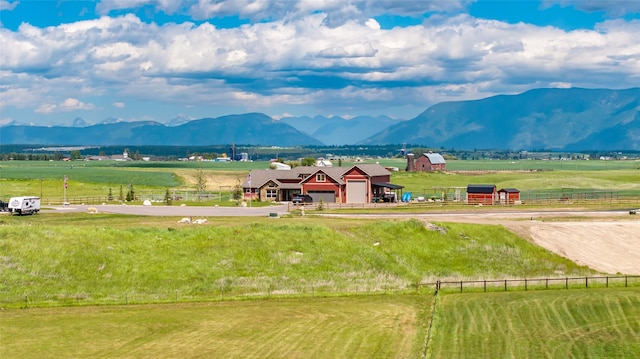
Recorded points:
(349, 50)
(303, 61)
(168, 6)
(69, 104)
(8, 5)
(611, 7)
(338, 12)
(45, 108)
(118, 104)
(372, 24)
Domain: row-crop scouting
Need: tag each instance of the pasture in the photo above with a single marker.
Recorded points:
(96, 178)
(380, 326)
(578, 323)
(63, 259)
(296, 286)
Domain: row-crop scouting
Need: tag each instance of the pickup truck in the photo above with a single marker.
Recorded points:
(4, 206)
(301, 199)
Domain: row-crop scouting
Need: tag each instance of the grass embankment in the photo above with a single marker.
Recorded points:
(383, 326)
(587, 323)
(54, 259)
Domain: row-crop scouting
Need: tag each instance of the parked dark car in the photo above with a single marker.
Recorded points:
(4, 206)
(301, 198)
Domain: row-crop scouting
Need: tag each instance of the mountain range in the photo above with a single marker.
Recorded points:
(553, 119)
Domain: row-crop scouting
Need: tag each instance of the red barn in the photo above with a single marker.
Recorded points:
(481, 194)
(508, 195)
(430, 162)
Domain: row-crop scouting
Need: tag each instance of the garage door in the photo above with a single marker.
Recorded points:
(327, 196)
(356, 191)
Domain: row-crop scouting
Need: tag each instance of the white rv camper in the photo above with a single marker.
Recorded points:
(24, 205)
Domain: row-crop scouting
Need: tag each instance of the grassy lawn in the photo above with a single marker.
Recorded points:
(381, 326)
(585, 323)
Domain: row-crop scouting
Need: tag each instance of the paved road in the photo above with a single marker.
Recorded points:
(178, 211)
(281, 209)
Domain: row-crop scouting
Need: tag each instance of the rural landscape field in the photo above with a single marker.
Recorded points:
(328, 283)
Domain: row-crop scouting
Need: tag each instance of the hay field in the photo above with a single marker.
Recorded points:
(577, 323)
(381, 326)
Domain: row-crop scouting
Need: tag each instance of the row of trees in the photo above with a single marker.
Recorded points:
(32, 156)
(130, 196)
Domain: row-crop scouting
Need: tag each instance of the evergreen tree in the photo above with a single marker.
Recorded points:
(167, 197)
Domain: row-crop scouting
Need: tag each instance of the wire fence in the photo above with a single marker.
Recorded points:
(526, 284)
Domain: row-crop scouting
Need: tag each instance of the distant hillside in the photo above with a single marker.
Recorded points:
(561, 119)
(337, 130)
(552, 119)
(250, 129)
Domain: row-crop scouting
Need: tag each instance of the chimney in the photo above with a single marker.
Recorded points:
(411, 165)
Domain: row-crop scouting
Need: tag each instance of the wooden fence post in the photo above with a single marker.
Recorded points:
(505, 285)
(566, 283)
(525, 284)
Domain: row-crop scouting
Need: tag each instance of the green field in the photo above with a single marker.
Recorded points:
(102, 285)
(96, 178)
(381, 326)
(585, 323)
(59, 259)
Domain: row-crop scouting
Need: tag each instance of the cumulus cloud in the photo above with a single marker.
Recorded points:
(69, 104)
(301, 60)
(167, 6)
(611, 7)
(338, 12)
(8, 5)
(349, 50)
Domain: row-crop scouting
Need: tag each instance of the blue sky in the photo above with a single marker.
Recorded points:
(134, 60)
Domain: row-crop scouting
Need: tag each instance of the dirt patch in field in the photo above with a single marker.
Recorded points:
(606, 241)
(607, 246)
(216, 180)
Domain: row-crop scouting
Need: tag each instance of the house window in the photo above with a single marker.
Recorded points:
(272, 194)
(248, 190)
(321, 177)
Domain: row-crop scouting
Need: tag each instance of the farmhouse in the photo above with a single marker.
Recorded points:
(361, 183)
(481, 194)
(509, 196)
(427, 162)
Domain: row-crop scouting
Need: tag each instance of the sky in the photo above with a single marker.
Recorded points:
(133, 60)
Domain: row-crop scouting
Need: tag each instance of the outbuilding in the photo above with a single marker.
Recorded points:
(509, 196)
(482, 194)
(430, 162)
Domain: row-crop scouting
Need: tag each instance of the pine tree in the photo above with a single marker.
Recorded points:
(167, 197)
